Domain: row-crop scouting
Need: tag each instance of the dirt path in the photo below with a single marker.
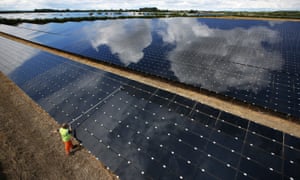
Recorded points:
(28, 148)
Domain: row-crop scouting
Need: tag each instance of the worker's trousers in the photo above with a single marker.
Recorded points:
(68, 146)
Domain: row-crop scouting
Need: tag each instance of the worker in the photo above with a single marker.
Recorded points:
(65, 133)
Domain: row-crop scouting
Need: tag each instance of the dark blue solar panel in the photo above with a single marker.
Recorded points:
(255, 62)
(141, 132)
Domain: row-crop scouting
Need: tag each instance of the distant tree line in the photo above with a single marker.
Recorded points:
(156, 11)
(51, 10)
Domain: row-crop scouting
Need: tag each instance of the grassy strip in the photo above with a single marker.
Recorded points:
(62, 20)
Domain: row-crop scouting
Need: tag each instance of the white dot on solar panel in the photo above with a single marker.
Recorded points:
(161, 145)
(148, 137)
(208, 155)
(164, 166)
(180, 177)
(271, 169)
(228, 165)
(291, 178)
(129, 142)
(203, 170)
(201, 136)
(152, 158)
(292, 162)
(189, 162)
(232, 150)
(236, 138)
(128, 162)
(186, 129)
(272, 153)
(139, 149)
(245, 174)
(119, 155)
(251, 144)
(172, 152)
(214, 142)
(248, 158)
(179, 140)
(142, 172)
(169, 134)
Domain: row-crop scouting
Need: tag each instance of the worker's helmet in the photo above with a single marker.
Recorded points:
(65, 125)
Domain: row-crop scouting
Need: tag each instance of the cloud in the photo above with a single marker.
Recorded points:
(169, 4)
(123, 40)
(219, 59)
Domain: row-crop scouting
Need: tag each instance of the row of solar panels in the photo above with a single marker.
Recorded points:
(274, 86)
(141, 132)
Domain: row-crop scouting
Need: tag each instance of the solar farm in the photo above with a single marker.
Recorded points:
(144, 132)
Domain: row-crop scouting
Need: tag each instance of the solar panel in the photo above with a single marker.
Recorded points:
(141, 132)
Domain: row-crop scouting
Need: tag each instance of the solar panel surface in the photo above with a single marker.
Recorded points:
(141, 132)
(255, 62)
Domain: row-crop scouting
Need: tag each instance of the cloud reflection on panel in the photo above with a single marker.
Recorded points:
(123, 40)
(219, 60)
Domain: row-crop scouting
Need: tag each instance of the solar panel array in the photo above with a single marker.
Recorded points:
(255, 62)
(141, 132)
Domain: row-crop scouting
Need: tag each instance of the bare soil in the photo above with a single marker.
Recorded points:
(28, 147)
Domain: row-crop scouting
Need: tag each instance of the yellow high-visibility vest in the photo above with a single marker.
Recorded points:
(64, 133)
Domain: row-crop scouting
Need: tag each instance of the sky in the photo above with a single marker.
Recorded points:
(235, 5)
